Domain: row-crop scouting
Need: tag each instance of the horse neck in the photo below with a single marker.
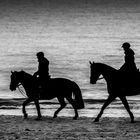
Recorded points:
(26, 80)
(107, 72)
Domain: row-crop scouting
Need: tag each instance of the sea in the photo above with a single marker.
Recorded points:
(70, 33)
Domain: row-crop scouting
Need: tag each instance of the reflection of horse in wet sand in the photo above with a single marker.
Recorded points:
(58, 87)
(115, 86)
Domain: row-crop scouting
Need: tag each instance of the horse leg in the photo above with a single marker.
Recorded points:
(23, 108)
(38, 109)
(126, 105)
(62, 105)
(107, 102)
(73, 105)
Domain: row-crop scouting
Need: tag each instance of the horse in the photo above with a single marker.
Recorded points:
(115, 86)
(59, 88)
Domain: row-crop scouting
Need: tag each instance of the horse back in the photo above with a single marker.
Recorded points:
(57, 87)
(61, 83)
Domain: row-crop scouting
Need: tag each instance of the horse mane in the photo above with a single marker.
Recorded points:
(26, 74)
(106, 66)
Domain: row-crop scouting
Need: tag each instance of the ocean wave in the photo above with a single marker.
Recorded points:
(8, 107)
(19, 102)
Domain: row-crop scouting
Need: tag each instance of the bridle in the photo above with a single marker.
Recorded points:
(21, 91)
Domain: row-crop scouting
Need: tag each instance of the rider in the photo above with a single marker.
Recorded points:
(43, 69)
(129, 68)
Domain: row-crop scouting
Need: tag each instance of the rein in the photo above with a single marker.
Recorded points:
(21, 91)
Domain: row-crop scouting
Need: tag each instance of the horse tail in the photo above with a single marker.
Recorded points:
(79, 103)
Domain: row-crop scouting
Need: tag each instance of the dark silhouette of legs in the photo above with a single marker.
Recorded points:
(107, 102)
(23, 108)
(73, 105)
(38, 109)
(126, 105)
(62, 105)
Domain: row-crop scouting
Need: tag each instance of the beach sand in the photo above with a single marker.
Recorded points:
(64, 128)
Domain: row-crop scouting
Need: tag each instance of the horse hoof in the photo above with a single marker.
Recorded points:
(38, 119)
(132, 121)
(25, 116)
(96, 120)
(55, 116)
(75, 118)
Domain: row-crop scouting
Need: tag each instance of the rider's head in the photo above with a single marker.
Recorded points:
(126, 45)
(40, 55)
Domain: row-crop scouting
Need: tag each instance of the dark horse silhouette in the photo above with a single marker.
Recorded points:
(58, 87)
(115, 87)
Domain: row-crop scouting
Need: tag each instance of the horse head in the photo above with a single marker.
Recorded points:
(15, 80)
(94, 73)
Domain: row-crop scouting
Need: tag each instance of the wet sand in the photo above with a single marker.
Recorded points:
(64, 128)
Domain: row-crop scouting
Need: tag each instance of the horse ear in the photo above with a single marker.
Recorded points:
(91, 62)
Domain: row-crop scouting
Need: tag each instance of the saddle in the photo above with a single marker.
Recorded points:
(42, 83)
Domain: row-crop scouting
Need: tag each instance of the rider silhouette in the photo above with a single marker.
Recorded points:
(43, 69)
(128, 69)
